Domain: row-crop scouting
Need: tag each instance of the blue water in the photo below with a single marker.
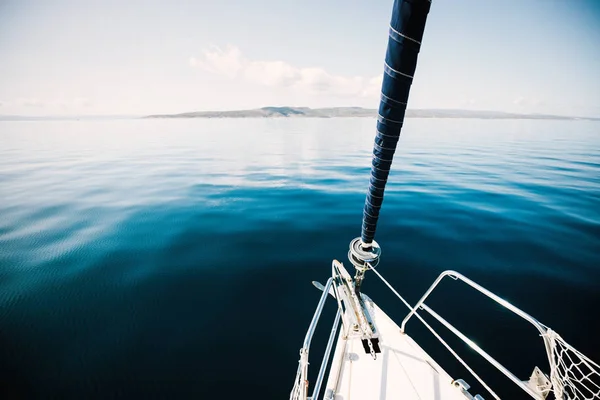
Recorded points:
(173, 258)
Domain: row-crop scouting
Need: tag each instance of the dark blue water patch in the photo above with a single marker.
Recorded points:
(127, 332)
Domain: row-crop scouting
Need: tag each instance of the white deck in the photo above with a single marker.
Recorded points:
(402, 370)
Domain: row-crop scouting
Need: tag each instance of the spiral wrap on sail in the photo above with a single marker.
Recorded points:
(405, 35)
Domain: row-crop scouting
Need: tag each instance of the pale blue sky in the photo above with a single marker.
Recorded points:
(141, 57)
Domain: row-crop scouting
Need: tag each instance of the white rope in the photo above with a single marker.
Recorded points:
(573, 375)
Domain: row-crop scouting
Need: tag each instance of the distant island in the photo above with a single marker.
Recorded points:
(348, 112)
(278, 112)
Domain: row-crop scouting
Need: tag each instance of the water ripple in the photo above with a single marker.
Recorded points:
(133, 251)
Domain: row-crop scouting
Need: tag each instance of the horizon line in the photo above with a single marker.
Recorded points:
(15, 117)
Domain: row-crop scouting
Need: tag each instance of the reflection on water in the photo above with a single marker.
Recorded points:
(173, 258)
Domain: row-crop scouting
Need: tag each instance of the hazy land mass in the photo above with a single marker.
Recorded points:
(346, 112)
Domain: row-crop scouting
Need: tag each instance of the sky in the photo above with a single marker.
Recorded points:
(145, 57)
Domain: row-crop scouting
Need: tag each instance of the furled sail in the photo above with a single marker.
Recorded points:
(404, 43)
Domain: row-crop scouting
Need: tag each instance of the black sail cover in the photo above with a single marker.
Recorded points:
(404, 43)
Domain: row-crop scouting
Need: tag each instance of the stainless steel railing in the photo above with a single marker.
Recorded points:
(457, 276)
(300, 389)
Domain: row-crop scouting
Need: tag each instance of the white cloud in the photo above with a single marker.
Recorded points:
(69, 103)
(57, 103)
(30, 102)
(519, 101)
(468, 102)
(231, 63)
(538, 102)
(215, 60)
(81, 102)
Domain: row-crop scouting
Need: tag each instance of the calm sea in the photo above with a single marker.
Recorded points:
(174, 258)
